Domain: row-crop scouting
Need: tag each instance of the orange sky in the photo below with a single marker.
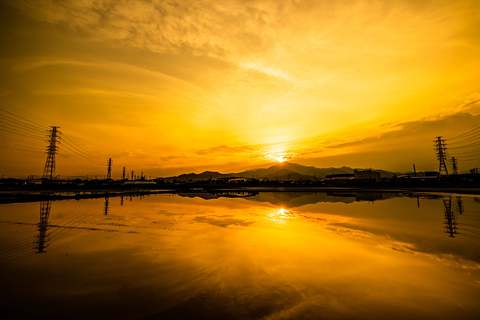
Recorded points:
(170, 87)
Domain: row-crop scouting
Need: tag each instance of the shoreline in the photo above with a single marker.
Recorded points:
(19, 196)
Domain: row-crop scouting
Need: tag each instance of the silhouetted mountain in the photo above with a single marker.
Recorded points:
(206, 175)
(292, 171)
(284, 171)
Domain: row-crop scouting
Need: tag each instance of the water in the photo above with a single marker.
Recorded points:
(270, 256)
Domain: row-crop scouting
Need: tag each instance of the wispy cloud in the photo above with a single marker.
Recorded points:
(202, 27)
(266, 70)
(43, 62)
(228, 150)
(94, 92)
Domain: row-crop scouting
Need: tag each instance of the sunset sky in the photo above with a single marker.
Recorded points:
(177, 86)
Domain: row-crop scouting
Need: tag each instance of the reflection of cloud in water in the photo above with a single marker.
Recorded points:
(350, 230)
(254, 303)
(381, 238)
(327, 260)
(223, 222)
(169, 213)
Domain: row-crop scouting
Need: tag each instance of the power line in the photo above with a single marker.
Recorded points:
(469, 141)
(23, 119)
(74, 152)
(466, 133)
(73, 146)
(16, 127)
(22, 134)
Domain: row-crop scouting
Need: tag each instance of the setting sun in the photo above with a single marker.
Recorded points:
(278, 154)
(278, 157)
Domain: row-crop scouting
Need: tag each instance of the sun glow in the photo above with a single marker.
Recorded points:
(278, 157)
(278, 154)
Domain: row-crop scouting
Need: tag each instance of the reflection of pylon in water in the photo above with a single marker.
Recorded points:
(450, 222)
(107, 200)
(460, 207)
(41, 241)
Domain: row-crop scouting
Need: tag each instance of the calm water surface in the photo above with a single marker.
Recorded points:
(270, 256)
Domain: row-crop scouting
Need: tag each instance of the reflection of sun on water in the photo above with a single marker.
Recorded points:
(280, 215)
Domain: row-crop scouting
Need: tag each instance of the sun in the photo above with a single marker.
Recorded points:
(278, 154)
(280, 158)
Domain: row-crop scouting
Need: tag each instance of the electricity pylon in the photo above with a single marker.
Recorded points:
(49, 169)
(441, 151)
(109, 169)
(454, 165)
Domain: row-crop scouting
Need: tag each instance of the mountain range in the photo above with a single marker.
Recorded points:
(283, 171)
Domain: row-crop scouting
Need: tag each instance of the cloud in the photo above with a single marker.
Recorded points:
(395, 148)
(269, 71)
(231, 29)
(462, 117)
(94, 92)
(229, 71)
(403, 144)
(202, 27)
(224, 149)
(43, 62)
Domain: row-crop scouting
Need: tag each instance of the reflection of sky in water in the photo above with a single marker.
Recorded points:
(274, 256)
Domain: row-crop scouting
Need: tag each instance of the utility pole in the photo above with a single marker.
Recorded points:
(123, 173)
(49, 169)
(454, 165)
(414, 170)
(441, 152)
(109, 169)
(132, 175)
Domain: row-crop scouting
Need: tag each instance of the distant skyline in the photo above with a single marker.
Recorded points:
(188, 86)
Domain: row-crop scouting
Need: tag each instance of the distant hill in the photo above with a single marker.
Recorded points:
(284, 171)
(292, 171)
(206, 175)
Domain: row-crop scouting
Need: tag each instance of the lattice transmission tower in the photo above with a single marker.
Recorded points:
(52, 148)
(441, 152)
(454, 165)
(109, 169)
